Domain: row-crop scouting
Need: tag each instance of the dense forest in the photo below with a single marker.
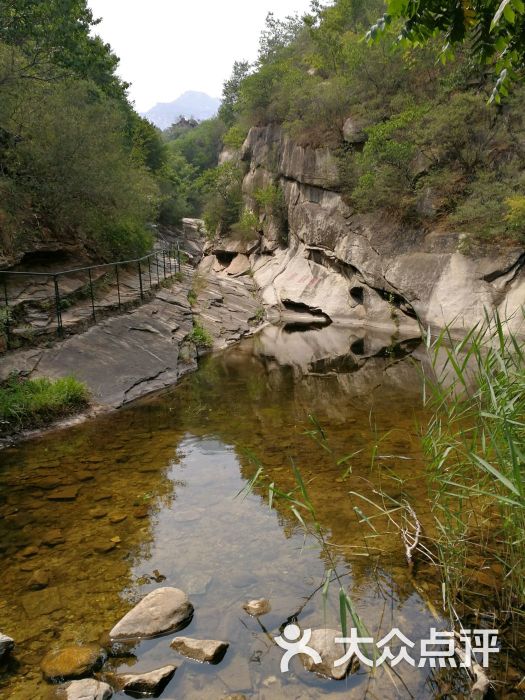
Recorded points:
(416, 133)
(77, 162)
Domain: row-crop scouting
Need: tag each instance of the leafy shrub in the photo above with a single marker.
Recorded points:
(200, 337)
(516, 213)
(247, 226)
(386, 177)
(221, 188)
(235, 137)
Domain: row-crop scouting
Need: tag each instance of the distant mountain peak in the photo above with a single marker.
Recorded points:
(191, 104)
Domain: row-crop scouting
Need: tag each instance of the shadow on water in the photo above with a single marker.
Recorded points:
(94, 517)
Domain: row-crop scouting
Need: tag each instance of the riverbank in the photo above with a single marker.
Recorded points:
(149, 348)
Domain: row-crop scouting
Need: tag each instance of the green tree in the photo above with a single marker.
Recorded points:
(230, 92)
(494, 30)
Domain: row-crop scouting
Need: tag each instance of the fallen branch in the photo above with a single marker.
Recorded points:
(411, 540)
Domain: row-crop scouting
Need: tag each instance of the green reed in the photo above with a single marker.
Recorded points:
(474, 443)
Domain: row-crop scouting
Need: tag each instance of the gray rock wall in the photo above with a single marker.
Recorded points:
(355, 268)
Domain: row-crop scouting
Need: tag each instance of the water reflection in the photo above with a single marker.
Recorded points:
(146, 497)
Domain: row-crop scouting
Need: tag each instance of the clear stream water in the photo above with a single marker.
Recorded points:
(172, 466)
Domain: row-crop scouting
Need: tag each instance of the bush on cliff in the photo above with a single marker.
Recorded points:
(433, 151)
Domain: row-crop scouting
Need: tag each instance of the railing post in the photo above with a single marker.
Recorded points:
(118, 287)
(60, 327)
(149, 271)
(157, 263)
(140, 281)
(164, 261)
(7, 321)
(178, 256)
(92, 297)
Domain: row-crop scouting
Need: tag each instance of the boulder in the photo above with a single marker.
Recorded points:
(323, 641)
(162, 611)
(205, 650)
(88, 689)
(144, 684)
(353, 132)
(240, 265)
(72, 662)
(257, 607)
(6, 645)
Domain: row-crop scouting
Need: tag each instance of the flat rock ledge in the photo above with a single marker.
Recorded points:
(162, 611)
(72, 662)
(255, 608)
(143, 684)
(88, 689)
(6, 645)
(204, 650)
(323, 641)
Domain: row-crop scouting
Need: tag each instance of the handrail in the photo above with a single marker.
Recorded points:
(90, 267)
(159, 256)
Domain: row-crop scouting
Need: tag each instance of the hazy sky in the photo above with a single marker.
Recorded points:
(169, 46)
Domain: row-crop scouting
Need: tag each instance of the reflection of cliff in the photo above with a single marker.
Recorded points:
(258, 397)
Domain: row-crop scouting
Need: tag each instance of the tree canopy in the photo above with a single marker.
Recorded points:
(494, 31)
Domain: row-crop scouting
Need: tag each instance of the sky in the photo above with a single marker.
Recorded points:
(169, 46)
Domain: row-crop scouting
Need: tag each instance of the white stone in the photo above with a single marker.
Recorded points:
(204, 650)
(88, 689)
(323, 641)
(162, 611)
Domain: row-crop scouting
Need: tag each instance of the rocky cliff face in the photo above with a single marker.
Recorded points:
(322, 256)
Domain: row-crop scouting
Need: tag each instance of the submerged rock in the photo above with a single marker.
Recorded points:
(6, 645)
(72, 662)
(66, 493)
(116, 518)
(53, 538)
(104, 547)
(144, 684)
(205, 650)
(323, 642)
(162, 611)
(257, 607)
(39, 580)
(88, 689)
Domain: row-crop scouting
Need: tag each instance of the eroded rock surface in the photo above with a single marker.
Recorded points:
(162, 611)
(355, 268)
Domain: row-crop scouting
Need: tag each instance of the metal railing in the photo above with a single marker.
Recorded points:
(155, 267)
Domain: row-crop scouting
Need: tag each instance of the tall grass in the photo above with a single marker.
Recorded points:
(28, 403)
(475, 444)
